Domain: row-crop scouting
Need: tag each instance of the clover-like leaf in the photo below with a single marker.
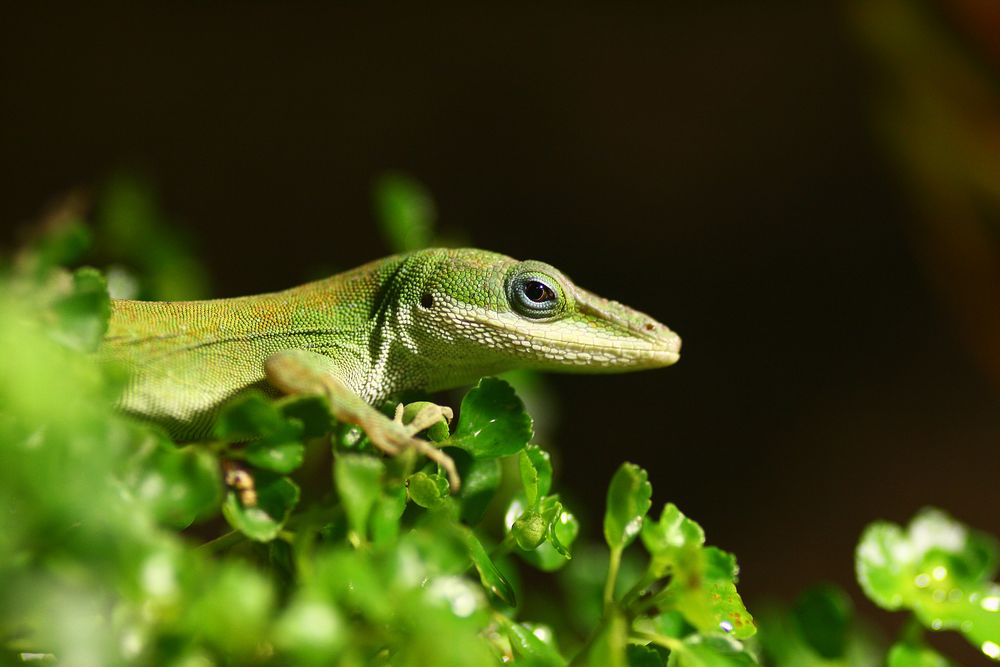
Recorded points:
(427, 491)
(667, 539)
(628, 501)
(703, 589)
(276, 497)
(275, 439)
(938, 568)
(359, 485)
(492, 421)
(536, 472)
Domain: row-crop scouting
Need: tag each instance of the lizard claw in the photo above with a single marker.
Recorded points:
(428, 415)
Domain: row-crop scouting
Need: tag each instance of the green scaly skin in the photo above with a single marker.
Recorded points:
(427, 320)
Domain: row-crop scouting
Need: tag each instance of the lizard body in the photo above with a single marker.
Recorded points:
(426, 320)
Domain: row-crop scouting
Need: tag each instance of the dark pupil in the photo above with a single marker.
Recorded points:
(538, 292)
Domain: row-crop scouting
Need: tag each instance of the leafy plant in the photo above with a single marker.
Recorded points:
(286, 539)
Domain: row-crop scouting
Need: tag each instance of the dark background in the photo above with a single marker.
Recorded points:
(719, 166)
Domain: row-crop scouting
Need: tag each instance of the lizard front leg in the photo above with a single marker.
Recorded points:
(304, 372)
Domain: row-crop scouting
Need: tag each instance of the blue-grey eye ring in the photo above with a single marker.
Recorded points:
(534, 296)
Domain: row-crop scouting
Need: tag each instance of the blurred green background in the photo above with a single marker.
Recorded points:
(808, 192)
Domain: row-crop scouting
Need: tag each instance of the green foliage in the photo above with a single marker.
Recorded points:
(405, 212)
(939, 569)
(301, 545)
(818, 630)
(390, 569)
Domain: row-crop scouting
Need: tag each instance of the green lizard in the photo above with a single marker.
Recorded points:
(426, 320)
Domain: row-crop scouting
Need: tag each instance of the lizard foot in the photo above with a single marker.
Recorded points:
(304, 372)
(427, 416)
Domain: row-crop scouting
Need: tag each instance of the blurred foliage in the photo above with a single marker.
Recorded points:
(938, 112)
(123, 547)
(151, 259)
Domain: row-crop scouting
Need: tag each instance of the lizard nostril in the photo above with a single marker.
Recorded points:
(427, 300)
(650, 326)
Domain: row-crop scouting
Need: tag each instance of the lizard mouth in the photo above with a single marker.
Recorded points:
(579, 344)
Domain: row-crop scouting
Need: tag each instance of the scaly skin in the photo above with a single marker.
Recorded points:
(427, 320)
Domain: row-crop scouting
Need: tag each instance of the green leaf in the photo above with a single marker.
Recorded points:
(405, 212)
(644, 656)
(703, 579)
(563, 530)
(492, 421)
(713, 651)
(276, 497)
(312, 412)
(711, 602)
(252, 415)
(359, 485)
(312, 630)
(427, 491)
(283, 457)
(669, 538)
(536, 472)
(178, 486)
(628, 501)
(480, 480)
(275, 439)
(823, 616)
(235, 604)
(528, 645)
(561, 526)
(906, 654)
(489, 575)
(82, 315)
(938, 568)
(386, 514)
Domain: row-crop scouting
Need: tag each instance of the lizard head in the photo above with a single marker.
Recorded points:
(494, 312)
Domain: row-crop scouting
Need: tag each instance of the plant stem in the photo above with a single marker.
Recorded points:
(609, 586)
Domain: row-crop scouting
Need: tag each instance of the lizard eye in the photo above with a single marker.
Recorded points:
(537, 291)
(534, 296)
